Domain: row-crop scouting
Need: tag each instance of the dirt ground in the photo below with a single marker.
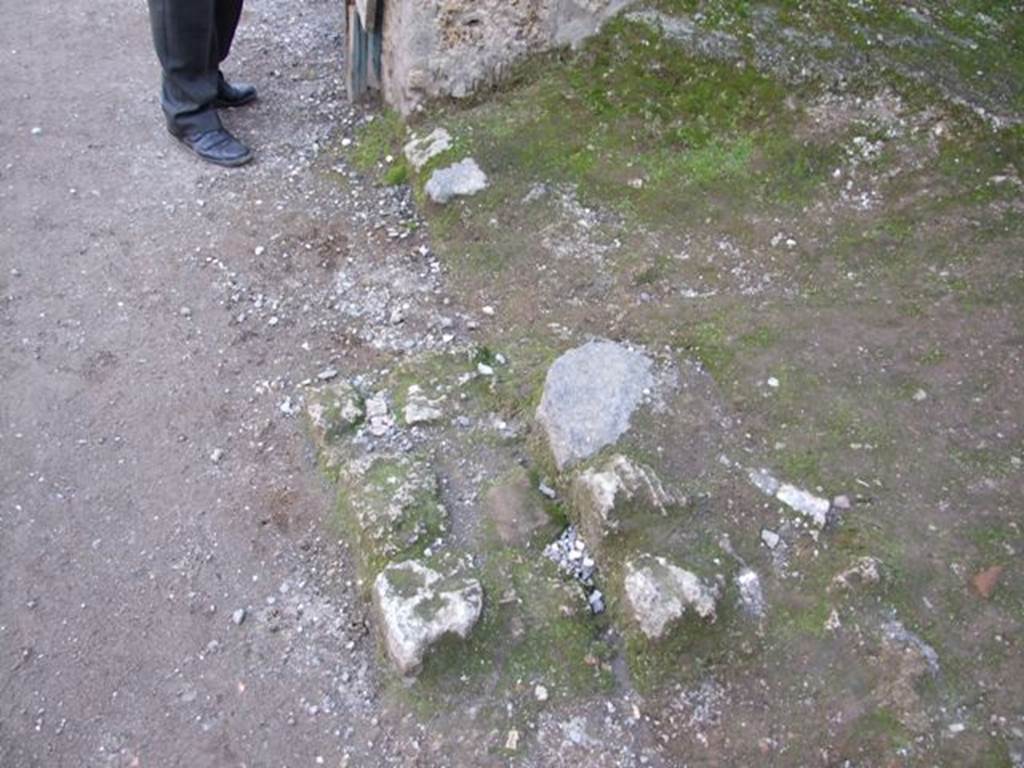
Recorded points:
(830, 253)
(125, 549)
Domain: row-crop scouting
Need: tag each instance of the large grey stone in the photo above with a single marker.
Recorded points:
(462, 178)
(659, 593)
(603, 498)
(589, 397)
(417, 606)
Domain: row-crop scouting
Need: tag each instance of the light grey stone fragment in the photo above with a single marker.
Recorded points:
(764, 481)
(805, 503)
(751, 595)
(419, 409)
(417, 606)
(659, 593)
(421, 151)
(462, 178)
(378, 415)
(590, 394)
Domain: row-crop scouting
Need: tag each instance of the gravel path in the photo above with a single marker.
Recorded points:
(169, 595)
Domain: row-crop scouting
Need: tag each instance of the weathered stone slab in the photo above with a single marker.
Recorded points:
(394, 503)
(603, 497)
(460, 179)
(451, 49)
(417, 606)
(515, 508)
(659, 593)
(589, 397)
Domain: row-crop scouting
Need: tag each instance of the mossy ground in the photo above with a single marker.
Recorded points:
(842, 257)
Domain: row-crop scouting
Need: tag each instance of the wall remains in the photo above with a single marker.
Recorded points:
(451, 48)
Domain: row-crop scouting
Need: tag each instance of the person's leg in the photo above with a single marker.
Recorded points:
(228, 94)
(227, 14)
(185, 35)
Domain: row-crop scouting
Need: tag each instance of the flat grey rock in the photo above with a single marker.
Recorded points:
(461, 179)
(589, 397)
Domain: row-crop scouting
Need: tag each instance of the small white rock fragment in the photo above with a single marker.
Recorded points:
(484, 370)
(217, 455)
(773, 382)
(751, 595)
(238, 616)
(770, 538)
(805, 503)
(920, 395)
(832, 623)
(541, 693)
(512, 740)
(764, 481)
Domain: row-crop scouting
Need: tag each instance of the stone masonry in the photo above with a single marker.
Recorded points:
(451, 48)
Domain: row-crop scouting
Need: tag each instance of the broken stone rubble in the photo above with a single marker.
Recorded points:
(569, 552)
(417, 606)
(659, 593)
(814, 508)
(600, 497)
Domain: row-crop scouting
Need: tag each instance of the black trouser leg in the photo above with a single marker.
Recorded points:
(192, 37)
(227, 14)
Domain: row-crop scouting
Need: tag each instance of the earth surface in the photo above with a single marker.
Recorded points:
(809, 215)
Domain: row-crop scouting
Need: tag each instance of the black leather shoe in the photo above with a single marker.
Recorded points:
(216, 146)
(229, 95)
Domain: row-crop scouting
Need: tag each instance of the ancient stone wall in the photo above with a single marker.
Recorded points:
(451, 48)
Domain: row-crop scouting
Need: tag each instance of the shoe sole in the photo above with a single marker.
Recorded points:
(237, 162)
(233, 104)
